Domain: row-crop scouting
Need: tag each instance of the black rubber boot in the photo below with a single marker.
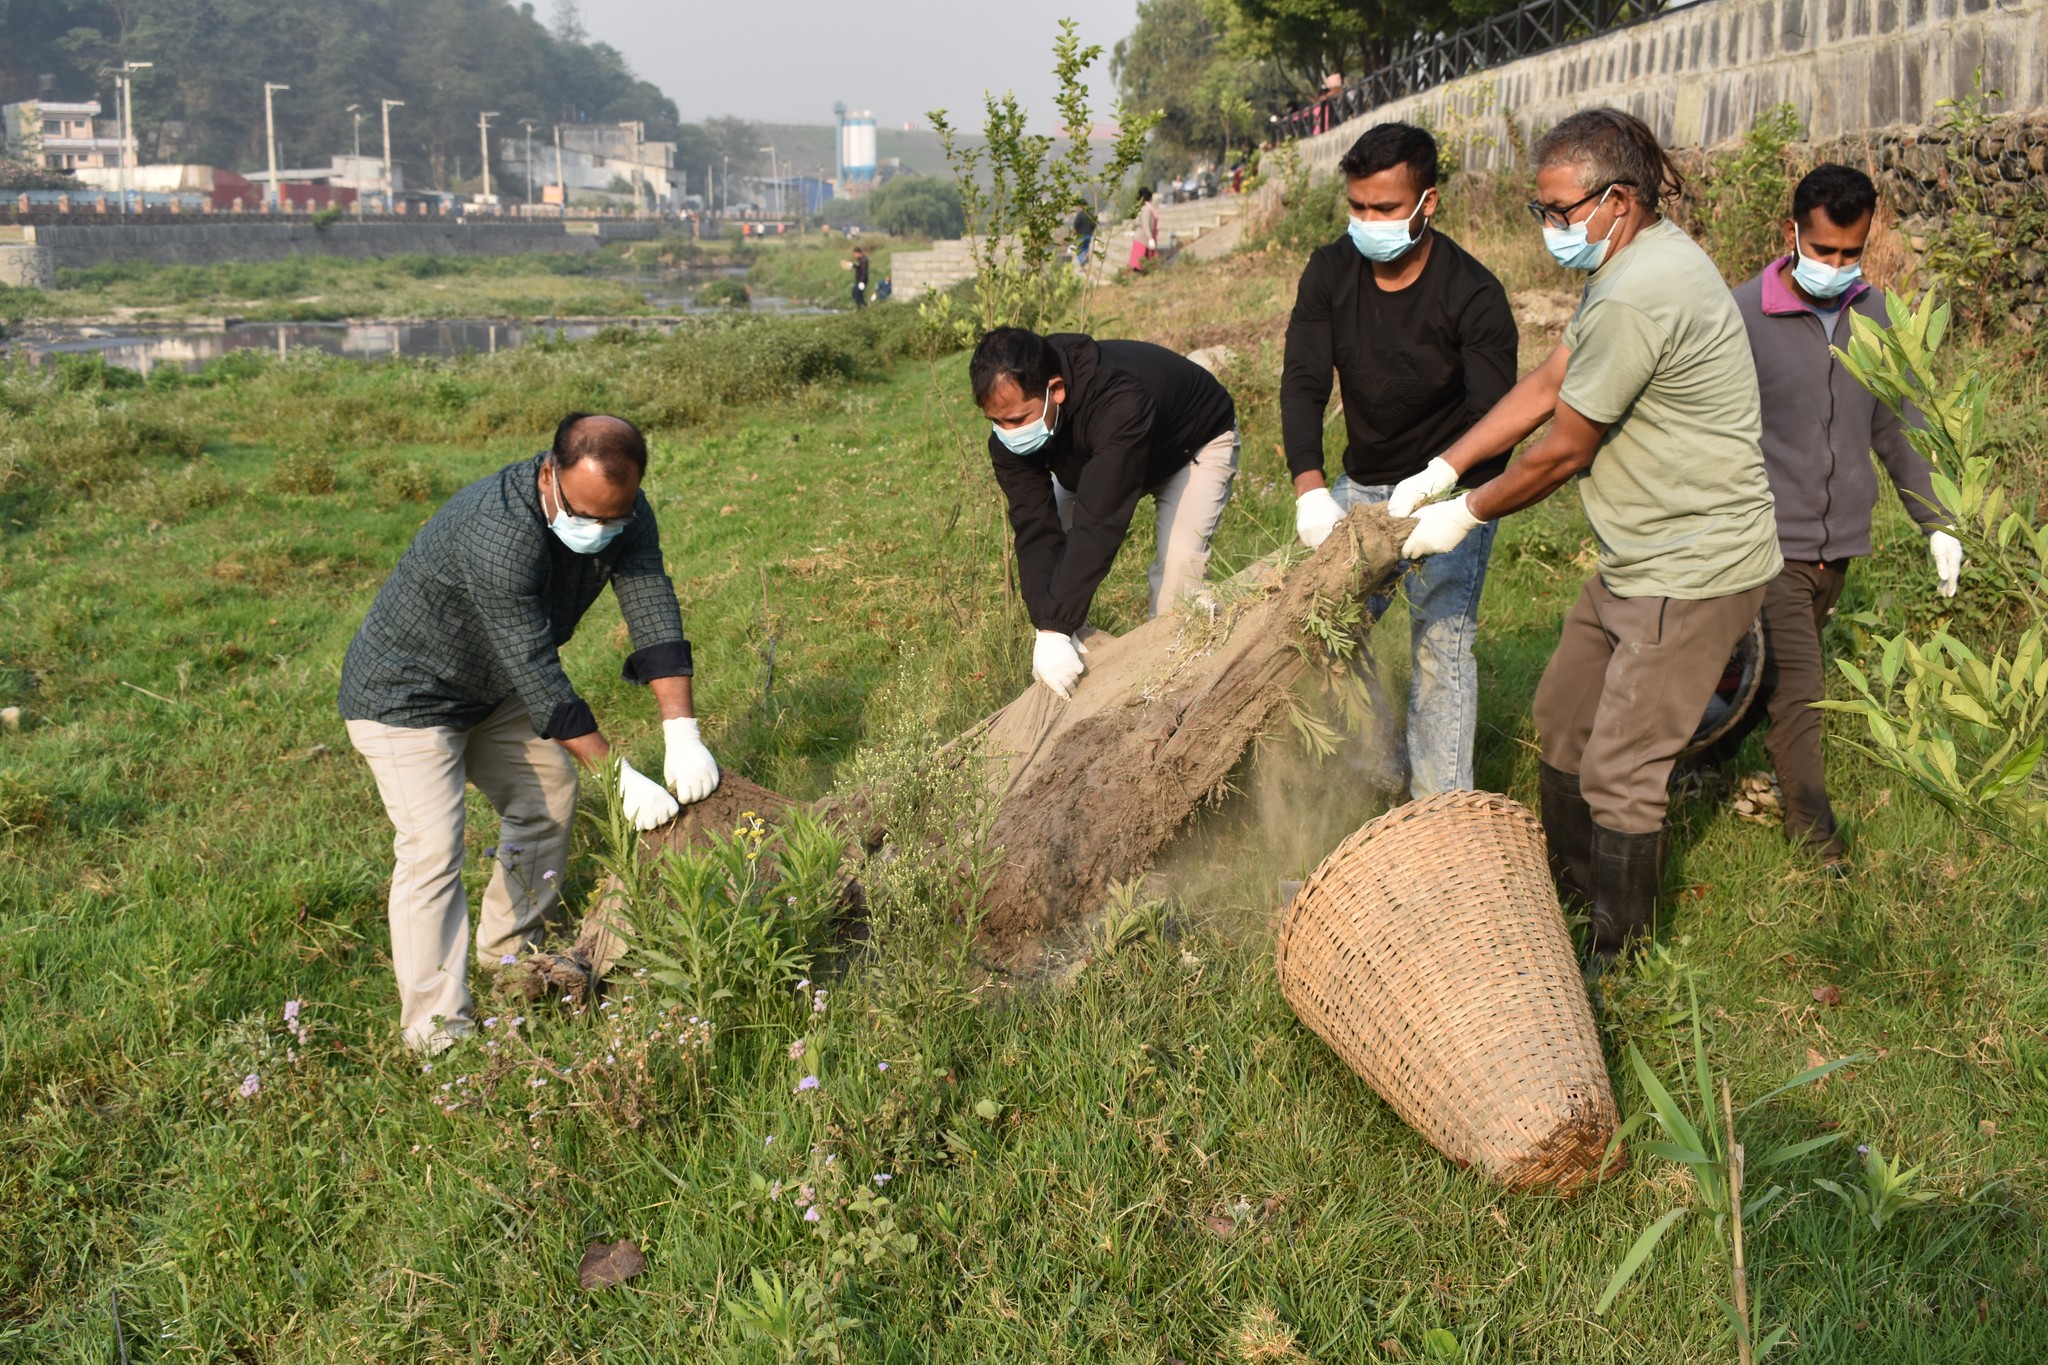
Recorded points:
(1628, 876)
(1568, 829)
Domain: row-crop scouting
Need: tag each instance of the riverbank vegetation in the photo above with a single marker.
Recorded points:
(908, 1155)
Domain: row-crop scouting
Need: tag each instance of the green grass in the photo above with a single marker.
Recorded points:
(815, 270)
(175, 866)
(327, 288)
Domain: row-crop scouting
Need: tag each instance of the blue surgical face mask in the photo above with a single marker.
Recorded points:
(1385, 240)
(582, 534)
(1569, 245)
(1029, 437)
(1821, 281)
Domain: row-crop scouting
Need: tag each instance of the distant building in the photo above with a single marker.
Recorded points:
(596, 159)
(60, 136)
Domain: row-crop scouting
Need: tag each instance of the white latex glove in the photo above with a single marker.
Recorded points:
(689, 769)
(1415, 490)
(1316, 514)
(1948, 560)
(1440, 527)
(646, 801)
(1056, 661)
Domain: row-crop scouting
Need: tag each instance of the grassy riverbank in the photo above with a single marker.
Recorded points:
(1150, 1162)
(608, 283)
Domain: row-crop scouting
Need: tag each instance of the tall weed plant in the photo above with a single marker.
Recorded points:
(1020, 188)
(1965, 723)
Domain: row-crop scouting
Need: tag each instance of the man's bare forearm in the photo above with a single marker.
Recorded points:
(672, 695)
(1565, 450)
(1527, 406)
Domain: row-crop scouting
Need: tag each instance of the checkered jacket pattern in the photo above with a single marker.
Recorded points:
(484, 599)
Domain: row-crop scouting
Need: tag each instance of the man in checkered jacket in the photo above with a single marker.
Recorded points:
(456, 678)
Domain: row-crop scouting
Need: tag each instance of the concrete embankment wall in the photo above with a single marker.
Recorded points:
(78, 245)
(1701, 75)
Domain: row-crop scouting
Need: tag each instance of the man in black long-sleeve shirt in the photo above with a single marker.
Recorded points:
(1422, 342)
(1082, 430)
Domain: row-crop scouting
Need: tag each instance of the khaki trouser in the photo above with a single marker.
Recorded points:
(421, 774)
(1797, 604)
(1187, 507)
(1625, 690)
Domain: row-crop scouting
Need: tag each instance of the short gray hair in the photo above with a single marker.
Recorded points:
(1609, 147)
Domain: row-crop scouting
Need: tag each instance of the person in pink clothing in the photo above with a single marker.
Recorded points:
(1145, 245)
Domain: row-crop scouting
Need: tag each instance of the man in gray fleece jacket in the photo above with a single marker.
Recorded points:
(1819, 428)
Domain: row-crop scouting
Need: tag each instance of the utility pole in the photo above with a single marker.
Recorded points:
(560, 183)
(774, 176)
(357, 110)
(389, 196)
(124, 78)
(725, 195)
(527, 123)
(483, 132)
(270, 135)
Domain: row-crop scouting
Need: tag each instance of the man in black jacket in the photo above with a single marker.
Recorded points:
(1082, 430)
(1422, 343)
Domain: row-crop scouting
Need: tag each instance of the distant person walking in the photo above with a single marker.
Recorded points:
(1084, 232)
(1145, 245)
(860, 277)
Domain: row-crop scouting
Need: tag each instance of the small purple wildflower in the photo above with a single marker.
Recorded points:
(291, 1011)
(881, 1066)
(818, 1003)
(1862, 1150)
(807, 1083)
(811, 1214)
(508, 959)
(491, 1022)
(251, 1083)
(491, 852)
(548, 875)
(768, 1141)
(883, 1178)
(796, 1050)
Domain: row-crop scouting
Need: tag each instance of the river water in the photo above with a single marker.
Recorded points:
(143, 348)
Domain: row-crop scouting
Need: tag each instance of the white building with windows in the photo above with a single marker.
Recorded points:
(60, 136)
(595, 159)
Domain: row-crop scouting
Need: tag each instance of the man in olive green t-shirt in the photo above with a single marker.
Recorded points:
(1652, 395)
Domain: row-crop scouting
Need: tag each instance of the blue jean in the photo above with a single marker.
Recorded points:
(1443, 682)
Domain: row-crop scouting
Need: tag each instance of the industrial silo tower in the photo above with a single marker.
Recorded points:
(857, 150)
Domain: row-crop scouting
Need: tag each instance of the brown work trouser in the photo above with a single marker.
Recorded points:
(1625, 690)
(1797, 604)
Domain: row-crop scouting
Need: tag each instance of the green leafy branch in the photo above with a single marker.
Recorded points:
(1965, 726)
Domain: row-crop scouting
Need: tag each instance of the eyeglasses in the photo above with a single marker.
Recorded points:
(1562, 218)
(562, 501)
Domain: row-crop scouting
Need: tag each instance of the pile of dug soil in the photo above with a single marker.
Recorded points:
(1088, 790)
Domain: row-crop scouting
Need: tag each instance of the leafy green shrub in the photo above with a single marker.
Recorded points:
(303, 471)
(1745, 194)
(724, 294)
(917, 206)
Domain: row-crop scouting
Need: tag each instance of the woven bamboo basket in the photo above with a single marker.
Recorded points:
(1430, 952)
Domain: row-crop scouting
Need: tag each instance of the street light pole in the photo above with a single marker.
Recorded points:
(527, 123)
(270, 136)
(775, 176)
(357, 110)
(389, 195)
(561, 184)
(483, 131)
(125, 79)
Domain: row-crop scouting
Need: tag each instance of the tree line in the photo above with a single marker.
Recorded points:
(449, 60)
(1215, 69)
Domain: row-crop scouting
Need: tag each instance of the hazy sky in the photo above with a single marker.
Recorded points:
(786, 61)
